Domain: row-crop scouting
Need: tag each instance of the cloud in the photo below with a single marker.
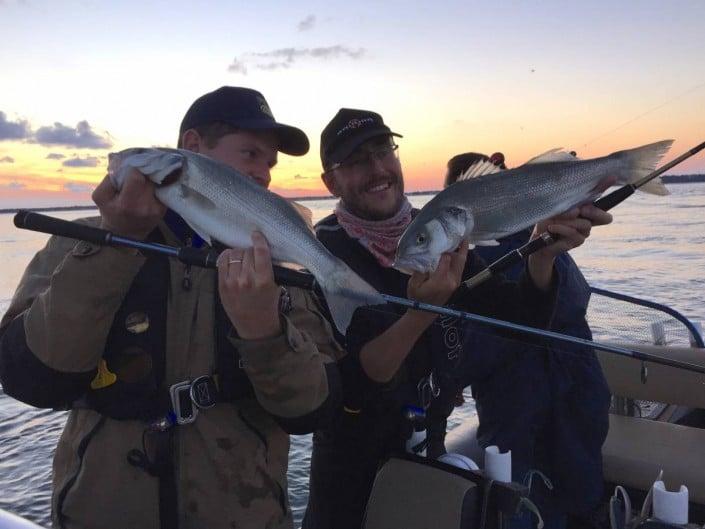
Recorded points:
(307, 23)
(299, 177)
(88, 161)
(237, 66)
(7, 159)
(13, 130)
(323, 52)
(77, 187)
(285, 57)
(270, 66)
(55, 156)
(13, 185)
(81, 137)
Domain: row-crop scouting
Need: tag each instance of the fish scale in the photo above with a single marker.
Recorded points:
(222, 204)
(525, 191)
(492, 206)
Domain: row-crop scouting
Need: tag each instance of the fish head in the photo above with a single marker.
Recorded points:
(161, 166)
(429, 236)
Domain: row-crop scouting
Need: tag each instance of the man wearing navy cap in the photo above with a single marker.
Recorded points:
(183, 384)
(398, 361)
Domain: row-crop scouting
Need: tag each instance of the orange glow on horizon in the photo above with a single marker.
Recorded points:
(423, 161)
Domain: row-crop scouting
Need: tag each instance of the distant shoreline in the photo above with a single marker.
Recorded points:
(669, 179)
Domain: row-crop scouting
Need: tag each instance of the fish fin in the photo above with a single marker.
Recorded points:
(345, 292)
(288, 264)
(553, 156)
(304, 212)
(190, 194)
(638, 163)
(479, 168)
(489, 242)
(655, 187)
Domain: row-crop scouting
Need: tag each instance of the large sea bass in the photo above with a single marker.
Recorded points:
(220, 203)
(492, 206)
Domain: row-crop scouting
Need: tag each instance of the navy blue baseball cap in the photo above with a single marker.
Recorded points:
(246, 109)
(349, 129)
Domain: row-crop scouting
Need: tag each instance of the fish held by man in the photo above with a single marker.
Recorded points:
(221, 204)
(492, 206)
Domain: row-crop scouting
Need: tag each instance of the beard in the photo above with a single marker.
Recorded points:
(376, 205)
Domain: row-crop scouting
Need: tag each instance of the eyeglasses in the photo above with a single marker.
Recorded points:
(365, 159)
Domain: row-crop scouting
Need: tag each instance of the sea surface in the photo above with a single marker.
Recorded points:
(655, 249)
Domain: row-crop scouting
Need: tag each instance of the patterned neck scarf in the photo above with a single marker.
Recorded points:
(380, 237)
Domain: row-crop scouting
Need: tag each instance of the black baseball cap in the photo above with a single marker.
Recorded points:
(246, 109)
(349, 129)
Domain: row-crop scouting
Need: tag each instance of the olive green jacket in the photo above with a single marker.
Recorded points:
(231, 463)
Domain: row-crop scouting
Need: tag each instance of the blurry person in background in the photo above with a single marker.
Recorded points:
(548, 406)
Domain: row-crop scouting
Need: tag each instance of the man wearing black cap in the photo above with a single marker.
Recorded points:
(182, 383)
(398, 361)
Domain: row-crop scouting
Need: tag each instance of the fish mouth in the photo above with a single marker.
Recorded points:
(400, 267)
(410, 265)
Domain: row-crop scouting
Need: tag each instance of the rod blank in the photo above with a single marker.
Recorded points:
(207, 258)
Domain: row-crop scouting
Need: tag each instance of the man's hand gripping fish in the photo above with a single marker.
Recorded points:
(221, 204)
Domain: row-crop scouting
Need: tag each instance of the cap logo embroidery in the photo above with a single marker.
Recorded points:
(264, 107)
(355, 123)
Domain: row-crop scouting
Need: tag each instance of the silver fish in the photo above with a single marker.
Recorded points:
(492, 206)
(221, 204)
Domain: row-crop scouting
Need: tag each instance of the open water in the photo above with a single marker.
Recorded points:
(655, 249)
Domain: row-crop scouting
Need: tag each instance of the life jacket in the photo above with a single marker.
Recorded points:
(129, 383)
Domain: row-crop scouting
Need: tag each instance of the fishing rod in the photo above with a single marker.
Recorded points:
(207, 259)
(546, 239)
(204, 258)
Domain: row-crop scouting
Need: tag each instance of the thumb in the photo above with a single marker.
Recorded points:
(104, 191)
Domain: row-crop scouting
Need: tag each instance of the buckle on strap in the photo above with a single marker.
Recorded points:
(188, 397)
(204, 392)
(184, 409)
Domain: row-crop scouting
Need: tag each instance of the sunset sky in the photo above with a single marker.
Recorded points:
(80, 79)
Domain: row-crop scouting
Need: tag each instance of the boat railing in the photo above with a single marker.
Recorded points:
(616, 316)
(625, 319)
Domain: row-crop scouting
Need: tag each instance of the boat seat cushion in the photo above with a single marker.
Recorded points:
(663, 383)
(637, 449)
(417, 496)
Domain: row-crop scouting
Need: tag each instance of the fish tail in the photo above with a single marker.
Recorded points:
(345, 292)
(639, 162)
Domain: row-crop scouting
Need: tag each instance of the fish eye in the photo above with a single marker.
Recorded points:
(420, 238)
